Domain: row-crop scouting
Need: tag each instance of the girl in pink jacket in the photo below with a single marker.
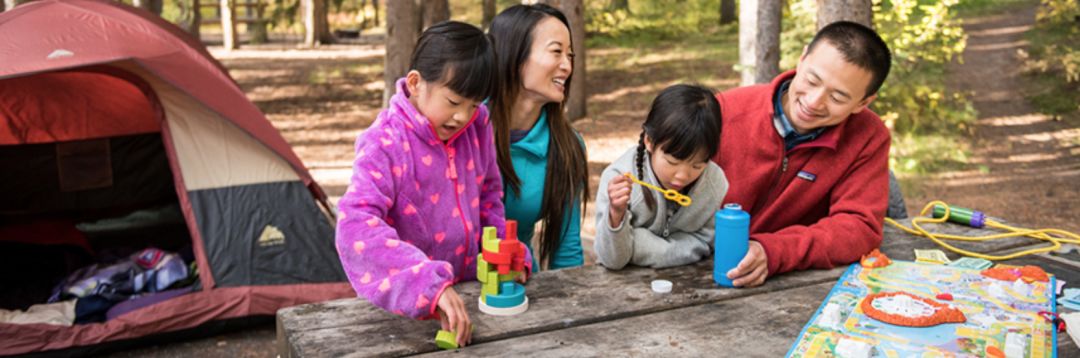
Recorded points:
(425, 182)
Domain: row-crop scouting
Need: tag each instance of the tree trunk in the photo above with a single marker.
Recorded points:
(433, 12)
(316, 26)
(196, 20)
(11, 4)
(228, 26)
(830, 11)
(575, 13)
(363, 15)
(375, 4)
(620, 5)
(759, 40)
(402, 19)
(489, 13)
(153, 6)
(727, 12)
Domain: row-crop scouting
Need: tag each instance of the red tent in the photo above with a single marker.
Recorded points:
(107, 108)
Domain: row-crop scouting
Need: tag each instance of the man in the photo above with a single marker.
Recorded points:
(807, 159)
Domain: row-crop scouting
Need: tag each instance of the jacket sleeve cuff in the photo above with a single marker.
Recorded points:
(772, 256)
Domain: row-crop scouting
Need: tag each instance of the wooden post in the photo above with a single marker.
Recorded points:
(727, 12)
(402, 31)
(575, 13)
(759, 40)
(316, 26)
(196, 19)
(433, 12)
(830, 11)
(375, 4)
(228, 26)
(489, 13)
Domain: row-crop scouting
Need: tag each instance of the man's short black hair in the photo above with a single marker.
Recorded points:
(860, 46)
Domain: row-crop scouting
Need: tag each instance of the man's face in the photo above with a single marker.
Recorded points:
(826, 90)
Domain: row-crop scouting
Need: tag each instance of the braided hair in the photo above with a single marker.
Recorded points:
(684, 120)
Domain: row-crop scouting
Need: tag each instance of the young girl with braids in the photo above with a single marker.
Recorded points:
(637, 225)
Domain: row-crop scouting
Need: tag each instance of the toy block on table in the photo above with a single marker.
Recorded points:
(499, 263)
(446, 340)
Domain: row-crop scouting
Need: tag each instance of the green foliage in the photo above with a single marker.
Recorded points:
(920, 154)
(1055, 57)
(652, 22)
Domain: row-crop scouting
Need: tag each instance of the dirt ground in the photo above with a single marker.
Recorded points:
(321, 100)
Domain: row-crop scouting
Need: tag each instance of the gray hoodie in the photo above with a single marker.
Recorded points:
(648, 238)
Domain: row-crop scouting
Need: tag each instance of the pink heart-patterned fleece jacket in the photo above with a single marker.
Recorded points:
(410, 222)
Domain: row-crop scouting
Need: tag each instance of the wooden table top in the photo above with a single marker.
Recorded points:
(590, 311)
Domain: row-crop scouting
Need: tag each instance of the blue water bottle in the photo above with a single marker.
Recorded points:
(731, 241)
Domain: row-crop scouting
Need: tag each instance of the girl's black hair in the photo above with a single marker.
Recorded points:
(684, 120)
(457, 55)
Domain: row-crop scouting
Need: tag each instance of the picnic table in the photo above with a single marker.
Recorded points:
(593, 311)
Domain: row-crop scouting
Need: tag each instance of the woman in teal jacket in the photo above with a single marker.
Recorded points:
(541, 158)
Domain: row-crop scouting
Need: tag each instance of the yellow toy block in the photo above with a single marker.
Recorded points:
(490, 233)
(510, 276)
(446, 339)
(482, 269)
(491, 285)
(491, 245)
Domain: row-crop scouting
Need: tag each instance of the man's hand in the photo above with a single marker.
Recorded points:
(453, 317)
(753, 268)
(619, 198)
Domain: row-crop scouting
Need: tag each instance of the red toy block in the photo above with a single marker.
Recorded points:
(504, 269)
(497, 258)
(511, 230)
(509, 247)
(518, 264)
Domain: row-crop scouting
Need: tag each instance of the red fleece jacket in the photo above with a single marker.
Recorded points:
(819, 205)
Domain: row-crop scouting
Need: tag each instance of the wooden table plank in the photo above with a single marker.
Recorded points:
(756, 326)
(558, 300)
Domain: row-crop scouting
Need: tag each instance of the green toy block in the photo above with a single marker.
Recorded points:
(482, 268)
(491, 233)
(491, 286)
(446, 339)
(491, 245)
(510, 276)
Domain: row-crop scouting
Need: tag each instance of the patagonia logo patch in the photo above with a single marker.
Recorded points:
(805, 175)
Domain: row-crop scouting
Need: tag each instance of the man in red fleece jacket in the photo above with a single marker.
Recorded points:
(807, 159)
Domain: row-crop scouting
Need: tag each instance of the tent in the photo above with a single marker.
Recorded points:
(107, 109)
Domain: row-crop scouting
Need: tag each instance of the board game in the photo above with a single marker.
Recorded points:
(1000, 317)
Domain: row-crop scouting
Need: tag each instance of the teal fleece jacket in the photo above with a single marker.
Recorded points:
(530, 156)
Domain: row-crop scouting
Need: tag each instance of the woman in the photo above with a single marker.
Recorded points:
(541, 157)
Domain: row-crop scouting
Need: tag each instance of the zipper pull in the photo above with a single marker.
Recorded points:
(783, 168)
(453, 166)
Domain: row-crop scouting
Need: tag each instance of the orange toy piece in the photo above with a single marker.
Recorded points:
(497, 258)
(875, 259)
(1012, 273)
(905, 309)
(994, 352)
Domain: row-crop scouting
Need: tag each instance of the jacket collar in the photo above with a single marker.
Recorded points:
(828, 138)
(536, 141)
(418, 122)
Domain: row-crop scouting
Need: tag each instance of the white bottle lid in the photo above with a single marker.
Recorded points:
(661, 286)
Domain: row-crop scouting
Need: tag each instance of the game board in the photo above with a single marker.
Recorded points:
(1002, 317)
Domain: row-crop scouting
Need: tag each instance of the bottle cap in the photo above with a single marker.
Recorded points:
(661, 286)
(733, 206)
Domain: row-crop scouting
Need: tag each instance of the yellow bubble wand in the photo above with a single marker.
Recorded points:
(669, 194)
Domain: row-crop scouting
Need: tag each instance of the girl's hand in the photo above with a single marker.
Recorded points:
(619, 197)
(453, 317)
